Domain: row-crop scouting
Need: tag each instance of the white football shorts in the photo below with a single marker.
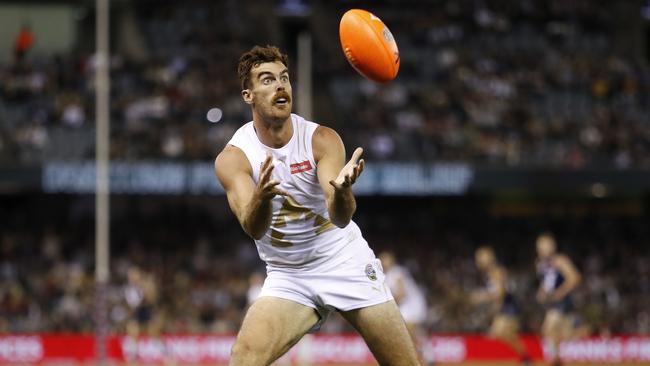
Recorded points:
(356, 283)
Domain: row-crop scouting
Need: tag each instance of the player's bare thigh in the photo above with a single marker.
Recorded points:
(556, 324)
(385, 332)
(271, 326)
(504, 326)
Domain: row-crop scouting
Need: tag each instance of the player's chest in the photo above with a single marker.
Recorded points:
(295, 172)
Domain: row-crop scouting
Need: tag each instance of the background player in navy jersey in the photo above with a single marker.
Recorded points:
(495, 294)
(558, 277)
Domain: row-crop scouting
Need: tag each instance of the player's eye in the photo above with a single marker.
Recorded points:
(266, 81)
(285, 79)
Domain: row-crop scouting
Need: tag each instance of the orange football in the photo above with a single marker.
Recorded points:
(369, 46)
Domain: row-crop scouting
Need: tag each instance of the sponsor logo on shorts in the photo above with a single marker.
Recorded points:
(370, 272)
(300, 167)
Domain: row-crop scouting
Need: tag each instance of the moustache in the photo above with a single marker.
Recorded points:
(282, 94)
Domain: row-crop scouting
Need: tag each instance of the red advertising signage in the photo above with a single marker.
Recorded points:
(321, 348)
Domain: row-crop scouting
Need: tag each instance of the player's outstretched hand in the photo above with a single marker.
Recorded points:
(350, 172)
(266, 187)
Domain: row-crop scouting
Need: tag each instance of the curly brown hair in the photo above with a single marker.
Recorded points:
(258, 55)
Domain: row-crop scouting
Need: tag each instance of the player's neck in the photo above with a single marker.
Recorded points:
(273, 134)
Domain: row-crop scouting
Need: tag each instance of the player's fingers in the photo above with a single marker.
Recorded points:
(267, 161)
(265, 175)
(335, 185)
(346, 181)
(270, 190)
(356, 154)
(357, 171)
(355, 174)
(279, 192)
(271, 185)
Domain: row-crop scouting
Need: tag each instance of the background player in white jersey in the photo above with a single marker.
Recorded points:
(287, 182)
(503, 306)
(558, 278)
(408, 296)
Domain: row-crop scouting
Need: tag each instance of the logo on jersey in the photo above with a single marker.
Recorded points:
(300, 167)
(370, 272)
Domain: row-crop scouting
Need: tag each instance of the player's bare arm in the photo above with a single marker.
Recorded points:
(335, 178)
(540, 295)
(250, 202)
(571, 275)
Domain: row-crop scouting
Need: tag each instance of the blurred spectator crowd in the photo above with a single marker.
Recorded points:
(180, 265)
(508, 83)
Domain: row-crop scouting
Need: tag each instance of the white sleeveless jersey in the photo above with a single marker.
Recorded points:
(301, 235)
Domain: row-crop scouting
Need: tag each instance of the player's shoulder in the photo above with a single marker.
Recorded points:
(234, 149)
(230, 153)
(560, 259)
(499, 271)
(325, 134)
(231, 160)
(325, 139)
(494, 274)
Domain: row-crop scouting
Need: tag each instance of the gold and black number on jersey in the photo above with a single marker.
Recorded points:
(293, 212)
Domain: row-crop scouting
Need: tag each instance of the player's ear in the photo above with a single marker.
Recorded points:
(247, 96)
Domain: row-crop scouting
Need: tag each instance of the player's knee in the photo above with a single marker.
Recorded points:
(547, 329)
(552, 331)
(501, 333)
(247, 352)
(555, 326)
(495, 332)
(498, 327)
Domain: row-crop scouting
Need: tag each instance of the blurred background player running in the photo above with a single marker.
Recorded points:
(408, 295)
(501, 302)
(558, 279)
